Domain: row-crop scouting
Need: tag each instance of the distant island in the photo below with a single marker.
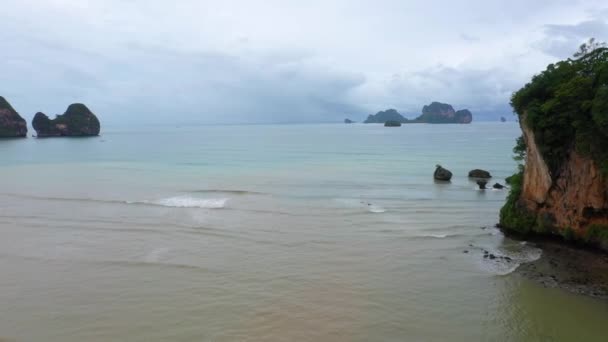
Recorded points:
(434, 113)
(77, 121)
(12, 125)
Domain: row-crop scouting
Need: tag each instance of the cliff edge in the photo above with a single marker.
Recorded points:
(562, 188)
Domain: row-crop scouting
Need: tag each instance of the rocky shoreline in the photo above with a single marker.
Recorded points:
(576, 269)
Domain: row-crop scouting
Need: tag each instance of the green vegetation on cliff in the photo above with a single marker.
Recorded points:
(566, 106)
(77, 120)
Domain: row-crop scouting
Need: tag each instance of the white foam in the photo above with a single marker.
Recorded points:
(376, 209)
(437, 236)
(157, 254)
(192, 202)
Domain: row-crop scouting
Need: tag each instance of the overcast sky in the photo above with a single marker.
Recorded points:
(231, 61)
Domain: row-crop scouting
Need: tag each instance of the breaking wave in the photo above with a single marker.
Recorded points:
(189, 202)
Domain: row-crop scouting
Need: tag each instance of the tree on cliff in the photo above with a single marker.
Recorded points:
(588, 47)
(567, 106)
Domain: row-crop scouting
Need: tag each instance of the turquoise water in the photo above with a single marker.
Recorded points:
(269, 233)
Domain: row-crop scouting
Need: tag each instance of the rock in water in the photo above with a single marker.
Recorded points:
(498, 186)
(478, 173)
(442, 174)
(438, 113)
(77, 121)
(503, 119)
(12, 125)
(482, 184)
(392, 124)
(348, 121)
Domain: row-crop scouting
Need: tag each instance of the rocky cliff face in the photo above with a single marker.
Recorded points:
(78, 120)
(572, 202)
(11, 123)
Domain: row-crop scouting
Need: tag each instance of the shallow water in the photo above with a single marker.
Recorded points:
(272, 233)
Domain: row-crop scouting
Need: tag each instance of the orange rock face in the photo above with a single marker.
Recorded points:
(576, 198)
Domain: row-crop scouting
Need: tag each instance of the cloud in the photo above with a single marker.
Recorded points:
(279, 60)
(469, 38)
(562, 40)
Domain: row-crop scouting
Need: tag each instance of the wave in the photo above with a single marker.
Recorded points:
(376, 209)
(225, 191)
(437, 236)
(175, 202)
(188, 202)
(507, 261)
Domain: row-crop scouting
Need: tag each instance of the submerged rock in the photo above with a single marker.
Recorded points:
(498, 186)
(12, 125)
(392, 124)
(442, 174)
(478, 173)
(482, 184)
(348, 121)
(77, 121)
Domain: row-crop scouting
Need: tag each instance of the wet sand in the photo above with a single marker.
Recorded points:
(570, 268)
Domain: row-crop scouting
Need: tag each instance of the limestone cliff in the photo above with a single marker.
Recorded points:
(12, 125)
(562, 188)
(575, 199)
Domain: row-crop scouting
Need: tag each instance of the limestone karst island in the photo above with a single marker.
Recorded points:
(434, 113)
(77, 121)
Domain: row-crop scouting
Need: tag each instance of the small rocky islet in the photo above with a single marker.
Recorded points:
(77, 121)
(434, 113)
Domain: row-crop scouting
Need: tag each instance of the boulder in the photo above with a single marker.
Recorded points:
(442, 174)
(392, 124)
(77, 121)
(482, 184)
(498, 186)
(12, 125)
(478, 173)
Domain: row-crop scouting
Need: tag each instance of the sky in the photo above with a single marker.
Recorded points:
(281, 61)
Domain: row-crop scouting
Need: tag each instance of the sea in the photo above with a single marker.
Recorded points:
(311, 232)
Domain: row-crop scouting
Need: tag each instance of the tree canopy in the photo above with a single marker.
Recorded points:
(566, 106)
